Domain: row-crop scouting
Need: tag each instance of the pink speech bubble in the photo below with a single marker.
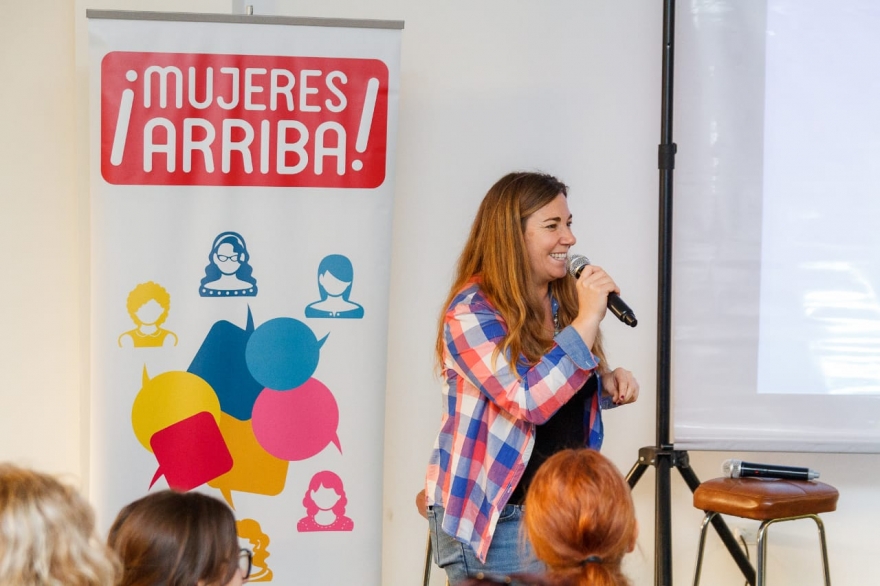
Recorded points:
(190, 452)
(296, 424)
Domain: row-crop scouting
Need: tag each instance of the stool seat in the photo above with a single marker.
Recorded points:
(763, 499)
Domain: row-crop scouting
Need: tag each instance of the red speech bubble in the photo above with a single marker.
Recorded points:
(296, 424)
(190, 452)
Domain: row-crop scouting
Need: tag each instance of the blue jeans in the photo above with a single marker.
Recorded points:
(509, 553)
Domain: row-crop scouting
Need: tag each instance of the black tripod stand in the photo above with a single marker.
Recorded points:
(663, 456)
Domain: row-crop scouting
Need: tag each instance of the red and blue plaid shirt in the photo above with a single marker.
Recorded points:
(487, 429)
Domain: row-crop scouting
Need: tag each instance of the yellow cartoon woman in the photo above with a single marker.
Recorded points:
(250, 529)
(148, 306)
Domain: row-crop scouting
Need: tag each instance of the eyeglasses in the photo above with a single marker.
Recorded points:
(245, 562)
(224, 258)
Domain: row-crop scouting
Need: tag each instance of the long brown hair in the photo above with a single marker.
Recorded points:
(584, 540)
(496, 251)
(175, 539)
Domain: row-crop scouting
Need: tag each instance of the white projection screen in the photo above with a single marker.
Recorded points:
(776, 240)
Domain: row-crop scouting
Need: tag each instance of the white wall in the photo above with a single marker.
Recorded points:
(41, 296)
(570, 87)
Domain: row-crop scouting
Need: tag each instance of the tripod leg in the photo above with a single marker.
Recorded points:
(635, 474)
(723, 530)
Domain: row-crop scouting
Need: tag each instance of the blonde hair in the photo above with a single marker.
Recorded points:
(496, 252)
(47, 534)
(584, 541)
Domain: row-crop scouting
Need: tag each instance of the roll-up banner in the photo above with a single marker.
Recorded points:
(241, 189)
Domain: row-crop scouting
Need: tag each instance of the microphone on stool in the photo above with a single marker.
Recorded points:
(740, 469)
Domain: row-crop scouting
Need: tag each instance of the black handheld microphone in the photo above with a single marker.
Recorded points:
(576, 264)
(740, 469)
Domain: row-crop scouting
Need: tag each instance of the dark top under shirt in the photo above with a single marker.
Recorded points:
(565, 429)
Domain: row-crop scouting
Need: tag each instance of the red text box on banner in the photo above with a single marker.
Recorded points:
(243, 120)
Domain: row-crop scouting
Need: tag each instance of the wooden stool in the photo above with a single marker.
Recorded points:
(766, 500)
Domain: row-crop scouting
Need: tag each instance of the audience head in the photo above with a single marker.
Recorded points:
(178, 539)
(47, 534)
(580, 519)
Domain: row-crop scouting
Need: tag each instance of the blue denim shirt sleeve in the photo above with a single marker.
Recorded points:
(570, 341)
(606, 402)
(573, 345)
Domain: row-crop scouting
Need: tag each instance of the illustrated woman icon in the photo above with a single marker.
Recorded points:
(228, 273)
(148, 306)
(325, 505)
(250, 529)
(335, 275)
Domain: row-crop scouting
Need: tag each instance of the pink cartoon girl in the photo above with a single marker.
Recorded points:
(325, 505)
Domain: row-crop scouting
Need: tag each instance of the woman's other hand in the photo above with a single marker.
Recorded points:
(621, 386)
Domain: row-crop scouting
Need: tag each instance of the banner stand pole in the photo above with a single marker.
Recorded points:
(663, 456)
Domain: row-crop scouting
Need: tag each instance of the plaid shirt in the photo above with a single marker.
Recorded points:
(487, 429)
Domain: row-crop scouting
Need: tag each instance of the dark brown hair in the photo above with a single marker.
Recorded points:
(175, 539)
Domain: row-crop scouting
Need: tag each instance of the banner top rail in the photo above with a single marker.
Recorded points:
(243, 19)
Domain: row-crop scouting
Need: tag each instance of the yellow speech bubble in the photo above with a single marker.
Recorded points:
(169, 398)
(254, 469)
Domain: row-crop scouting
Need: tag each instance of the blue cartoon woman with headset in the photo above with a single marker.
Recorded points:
(228, 273)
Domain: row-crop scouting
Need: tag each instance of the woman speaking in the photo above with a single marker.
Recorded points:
(520, 354)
